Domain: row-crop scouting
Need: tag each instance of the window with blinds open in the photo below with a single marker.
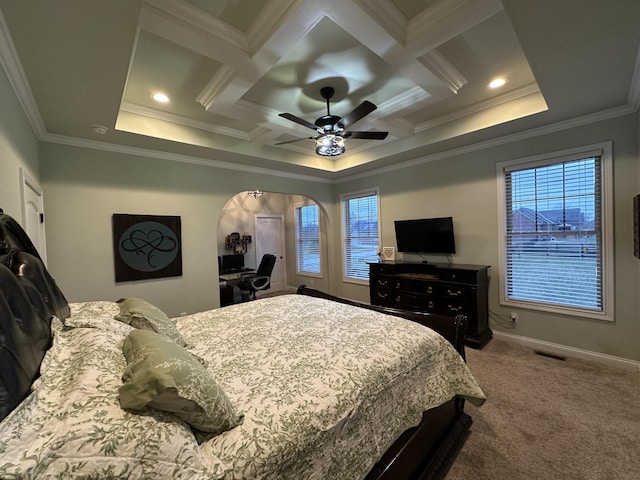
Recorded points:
(553, 243)
(360, 233)
(308, 239)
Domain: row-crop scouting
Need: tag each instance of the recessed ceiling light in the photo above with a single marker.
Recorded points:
(160, 97)
(497, 82)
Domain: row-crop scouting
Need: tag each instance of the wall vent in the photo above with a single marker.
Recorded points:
(550, 355)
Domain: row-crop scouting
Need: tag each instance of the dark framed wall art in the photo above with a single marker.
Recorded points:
(146, 246)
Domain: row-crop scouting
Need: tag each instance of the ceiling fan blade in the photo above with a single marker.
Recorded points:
(366, 135)
(298, 120)
(365, 108)
(296, 140)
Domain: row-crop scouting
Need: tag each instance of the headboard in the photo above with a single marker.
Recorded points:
(29, 297)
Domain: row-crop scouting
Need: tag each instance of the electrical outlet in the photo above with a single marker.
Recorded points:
(514, 317)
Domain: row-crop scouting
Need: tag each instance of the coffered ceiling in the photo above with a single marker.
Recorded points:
(229, 67)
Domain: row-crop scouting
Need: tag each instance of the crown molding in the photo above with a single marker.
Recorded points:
(184, 121)
(216, 85)
(634, 90)
(270, 17)
(197, 18)
(387, 15)
(479, 107)
(175, 157)
(444, 19)
(444, 70)
(336, 178)
(498, 141)
(18, 79)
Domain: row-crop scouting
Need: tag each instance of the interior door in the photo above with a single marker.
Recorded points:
(33, 213)
(270, 239)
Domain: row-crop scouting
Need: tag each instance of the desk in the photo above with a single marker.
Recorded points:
(234, 278)
(228, 282)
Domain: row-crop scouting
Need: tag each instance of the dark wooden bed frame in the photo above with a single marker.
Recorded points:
(29, 297)
(427, 451)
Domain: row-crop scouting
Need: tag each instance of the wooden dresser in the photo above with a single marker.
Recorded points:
(435, 288)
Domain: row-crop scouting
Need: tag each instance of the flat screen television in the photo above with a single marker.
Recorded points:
(425, 235)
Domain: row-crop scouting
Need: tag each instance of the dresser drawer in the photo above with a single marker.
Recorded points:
(382, 295)
(447, 306)
(464, 276)
(452, 290)
(382, 281)
(418, 303)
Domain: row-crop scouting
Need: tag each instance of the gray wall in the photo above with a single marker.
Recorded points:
(83, 188)
(465, 187)
(18, 150)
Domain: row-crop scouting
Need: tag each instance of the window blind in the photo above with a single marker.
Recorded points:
(360, 217)
(308, 239)
(553, 237)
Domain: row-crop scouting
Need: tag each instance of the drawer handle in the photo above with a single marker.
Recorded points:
(429, 289)
(382, 283)
(431, 305)
(398, 299)
(454, 309)
(454, 294)
(382, 295)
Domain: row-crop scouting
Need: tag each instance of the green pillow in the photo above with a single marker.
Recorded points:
(164, 376)
(141, 314)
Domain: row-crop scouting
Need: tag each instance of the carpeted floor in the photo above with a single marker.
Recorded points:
(550, 419)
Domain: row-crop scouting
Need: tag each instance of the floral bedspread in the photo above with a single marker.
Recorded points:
(324, 388)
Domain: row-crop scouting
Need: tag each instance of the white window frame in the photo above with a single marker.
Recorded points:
(604, 151)
(343, 199)
(296, 209)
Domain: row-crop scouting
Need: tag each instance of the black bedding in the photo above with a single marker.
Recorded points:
(29, 297)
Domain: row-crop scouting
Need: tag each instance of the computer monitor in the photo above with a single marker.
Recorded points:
(232, 263)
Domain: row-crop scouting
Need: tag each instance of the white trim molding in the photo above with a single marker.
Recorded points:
(572, 352)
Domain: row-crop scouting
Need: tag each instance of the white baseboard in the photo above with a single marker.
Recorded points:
(565, 351)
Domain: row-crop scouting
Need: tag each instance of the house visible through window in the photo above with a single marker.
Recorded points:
(555, 232)
(360, 233)
(308, 239)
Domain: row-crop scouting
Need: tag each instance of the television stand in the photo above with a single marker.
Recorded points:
(435, 288)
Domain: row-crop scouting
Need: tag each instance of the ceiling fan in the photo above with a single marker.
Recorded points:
(331, 128)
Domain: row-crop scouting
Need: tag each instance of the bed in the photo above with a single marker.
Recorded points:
(294, 386)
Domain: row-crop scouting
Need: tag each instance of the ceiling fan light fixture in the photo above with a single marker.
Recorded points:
(330, 145)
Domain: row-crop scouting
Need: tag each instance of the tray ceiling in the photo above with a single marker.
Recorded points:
(231, 66)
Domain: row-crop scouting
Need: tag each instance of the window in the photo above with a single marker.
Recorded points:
(308, 239)
(360, 233)
(555, 232)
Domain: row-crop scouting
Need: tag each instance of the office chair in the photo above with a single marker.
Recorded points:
(261, 280)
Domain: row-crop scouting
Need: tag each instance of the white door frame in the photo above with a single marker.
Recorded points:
(31, 193)
(280, 255)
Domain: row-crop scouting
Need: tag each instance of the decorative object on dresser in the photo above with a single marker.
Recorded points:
(388, 253)
(435, 288)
